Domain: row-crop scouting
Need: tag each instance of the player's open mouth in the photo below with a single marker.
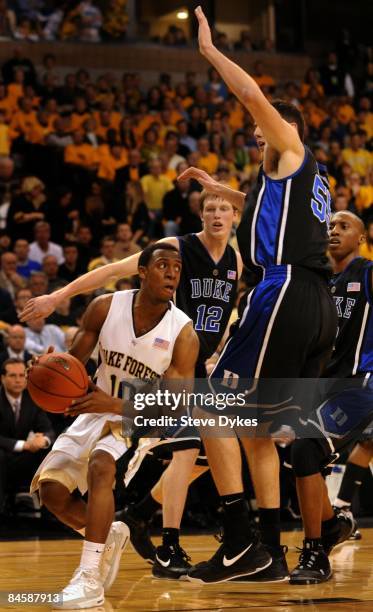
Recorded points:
(170, 288)
(334, 241)
(217, 225)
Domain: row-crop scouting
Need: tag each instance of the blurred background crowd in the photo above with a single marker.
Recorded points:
(89, 162)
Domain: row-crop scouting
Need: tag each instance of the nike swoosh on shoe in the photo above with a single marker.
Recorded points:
(229, 562)
(163, 563)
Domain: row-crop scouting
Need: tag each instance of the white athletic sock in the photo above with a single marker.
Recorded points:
(81, 531)
(340, 503)
(91, 555)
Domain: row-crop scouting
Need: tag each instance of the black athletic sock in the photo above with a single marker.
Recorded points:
(170, 536)
(270, 526)
(312, 543)
(147, 507)
(329, 525)
(236, 519)
(352, 479)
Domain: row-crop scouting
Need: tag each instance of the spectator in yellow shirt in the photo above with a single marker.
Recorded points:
(107, 247)
(263, 79)
(24, 120)
(311, 79)
(363, 194)
(109, 164)
(7, 104)
(366, 249)
(80, 153)
(16, 88)
(358, 158)
(207, 161)
(345, 112)
(80, 113)
(4, 136)
(155, 186)
(40, 130)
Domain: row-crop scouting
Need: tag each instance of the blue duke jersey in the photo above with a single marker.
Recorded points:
(352, 293)
(285, 221)
(288, 325)
(207, 291)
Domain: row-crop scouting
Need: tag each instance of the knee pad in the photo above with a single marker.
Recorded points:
(308, 457)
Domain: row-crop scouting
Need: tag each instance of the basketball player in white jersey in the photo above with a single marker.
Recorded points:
(206, 253)
(142, 336)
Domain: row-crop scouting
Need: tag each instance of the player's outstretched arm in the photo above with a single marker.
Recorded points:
(44, 305)
(276, 131)
(236, 198)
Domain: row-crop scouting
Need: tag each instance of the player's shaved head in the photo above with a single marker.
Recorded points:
(346, 235)
(149, 251)
(354, 219)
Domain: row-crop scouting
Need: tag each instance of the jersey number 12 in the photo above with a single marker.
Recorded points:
(208, 320)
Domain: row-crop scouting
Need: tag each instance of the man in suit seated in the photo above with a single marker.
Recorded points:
(25, 431)
(15, 340)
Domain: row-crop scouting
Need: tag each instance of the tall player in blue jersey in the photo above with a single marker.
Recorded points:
(348, 409)
(289, 323)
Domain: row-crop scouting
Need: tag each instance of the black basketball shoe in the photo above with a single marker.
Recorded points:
(341, 532)
(139, 533)
(313, 566)
(171, 562)
(278, 571)
(227, 564)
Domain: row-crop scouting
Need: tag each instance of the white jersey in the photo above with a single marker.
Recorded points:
(124, 357)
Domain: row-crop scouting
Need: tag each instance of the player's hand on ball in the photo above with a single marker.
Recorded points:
(204, 32)
(35, 358)
(96, 401)
(39, 307)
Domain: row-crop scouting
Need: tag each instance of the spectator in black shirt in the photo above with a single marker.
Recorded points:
(18, 61)
(87, 250)
(7, 310)
(72, 267)
(28, 208)
(175, 204)
(133, 171)
(196, 127)
(332, 76)
(191, 222)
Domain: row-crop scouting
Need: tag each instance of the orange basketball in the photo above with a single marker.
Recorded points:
(55, 380)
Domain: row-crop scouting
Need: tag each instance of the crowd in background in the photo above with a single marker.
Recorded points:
(88, 170)
(85, 21)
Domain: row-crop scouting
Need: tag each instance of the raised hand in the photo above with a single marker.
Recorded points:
(202, 177)
(204, 32)
(39, 307)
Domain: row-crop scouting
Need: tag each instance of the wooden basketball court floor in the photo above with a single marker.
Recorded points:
(46, 566)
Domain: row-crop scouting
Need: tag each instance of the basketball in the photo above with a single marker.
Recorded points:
(55, 380)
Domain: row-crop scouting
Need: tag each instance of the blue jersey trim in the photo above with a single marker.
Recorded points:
(242, 351)
(369, 283)
(268, 221)
(290, 175)
(366, 353)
